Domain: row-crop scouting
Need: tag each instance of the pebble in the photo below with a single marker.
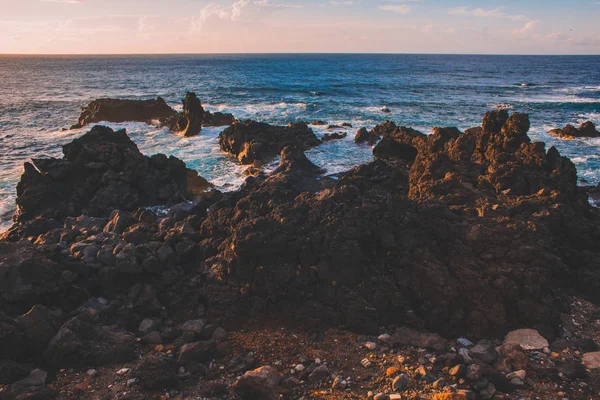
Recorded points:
(395, 397)
(370, 394)
(370, 345)
(131, 382)
(463, 342)
(384, 338)
(439, 384)
(123, 371)
(299, 367)
(529, 339)
(147, 325)
(380, 396)
(521, 374)
(92, 373)
(392, 371)
(458, 371)
(400, 383)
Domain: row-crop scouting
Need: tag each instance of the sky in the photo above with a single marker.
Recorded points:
(299, 26)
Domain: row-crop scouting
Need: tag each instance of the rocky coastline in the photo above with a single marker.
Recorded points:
(459, 265)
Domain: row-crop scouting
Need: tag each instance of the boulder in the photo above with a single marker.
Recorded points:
(156, 373)
(217, 119)
(79, 343)
(33, 387)
(189, 122)
(260, 384)
(334, 136)
(528, 339)
(398, 143)
(250, 141)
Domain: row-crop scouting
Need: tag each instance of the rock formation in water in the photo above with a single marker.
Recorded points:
(585, 130)
(101, 171)
(473, 233)
(188, 123)
(251, 141)
(334, 136)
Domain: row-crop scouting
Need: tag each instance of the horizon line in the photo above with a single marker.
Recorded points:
(291, 53)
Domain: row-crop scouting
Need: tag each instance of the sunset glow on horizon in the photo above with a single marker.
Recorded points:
(290, 26)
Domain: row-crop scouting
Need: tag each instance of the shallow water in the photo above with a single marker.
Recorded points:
(41, 95)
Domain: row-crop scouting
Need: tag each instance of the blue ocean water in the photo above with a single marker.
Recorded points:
(41, 95)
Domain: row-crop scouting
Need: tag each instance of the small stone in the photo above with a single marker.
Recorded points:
(317, 361)
(384, 338)
(319, 374)
(529, 339)
(299, 368)
(131, 382)
(488, 393)
(484, 351)
(370, 345)
(458, 371)
(395, 397)
(400, 383)
(463, 342)
(219, 334)
(339, 383)
(370, 394)
(517, 382)
(464, 353)
(439, 384)
(123, 371)
(81, 387)
(262, 383)
(521, 374)
(591, 360)
(147, 325)
(195, 325)
(91, 373)
(366, 363)
(392, 371)
(380, 396)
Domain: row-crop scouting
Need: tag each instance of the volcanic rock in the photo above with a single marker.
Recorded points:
(585, 130)
(365, 136)
(398, 143)
(250, 141)
(102, 171)
(260, 384)
(116, 110)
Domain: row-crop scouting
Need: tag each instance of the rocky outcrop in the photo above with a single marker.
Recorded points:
(585, 130)
(417, 240)
(117, 110)
(251, 141)
(188, 123)
(365, 136)
(398, 143)
(102, 171)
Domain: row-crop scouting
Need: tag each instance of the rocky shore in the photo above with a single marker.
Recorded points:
(459, 265)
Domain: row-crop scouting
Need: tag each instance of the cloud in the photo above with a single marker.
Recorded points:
(400, 8)
(341, 2)
(64, 1)
(477, 12)
(525, 30)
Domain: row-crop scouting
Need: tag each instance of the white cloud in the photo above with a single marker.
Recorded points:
(400, 8)
(64, 1)
(477, 12)
(525, 30)
(341, 2)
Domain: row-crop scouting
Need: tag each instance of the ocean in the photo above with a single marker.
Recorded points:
(40, 95)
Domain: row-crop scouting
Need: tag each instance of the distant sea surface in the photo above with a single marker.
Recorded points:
(41, 95)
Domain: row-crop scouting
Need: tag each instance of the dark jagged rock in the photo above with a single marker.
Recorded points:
(334, 136)
(387, 244)
(365, 136)
(217, 119)
(585, 130)
(101, 171)
(398, 143)
(251, 141)
(80, 342)
(116, 110)
(188, 123)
